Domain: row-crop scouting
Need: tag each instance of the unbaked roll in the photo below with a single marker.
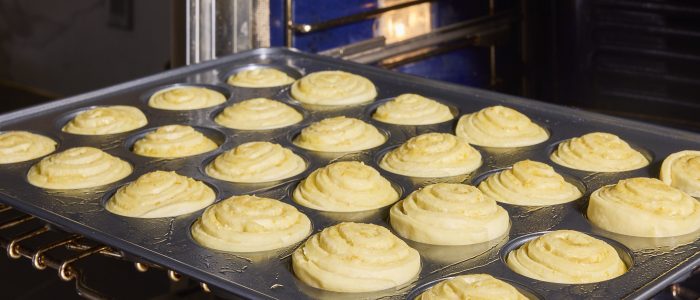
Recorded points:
(256, 162)
(644, 207)
(18, 146)
(106, 120)
(355, 257)
(173, 141)
(499, 126)
(77, 168)
(682, 171)
(567, 256)
(346, 186)
(412, 109)
(250, 224)
(258, 114)
(333, 88)
(339, 134)
(160, 194)
(472, 286)
(529, 183)
(260, 78)
(185, 98)
(432, 155)
(598, 152)
(448, 214)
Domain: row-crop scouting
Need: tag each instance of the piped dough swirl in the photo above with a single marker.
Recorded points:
(106, 120)
(567, 256)
(339, 134)
(160, 194)
(681, 170)
(412, 109)
(77, 168)
(598, 152)
(18, 146)
(472, 286)
(529, 183)
(644, 207)
(173, 141)
(347, 186)
(250, 224)
(499, 126)
(449, 214)
(432, 155)
(258, 114)
(260, 78)
(355, 257)
(256, 162)
(333, 88)
(185, 98)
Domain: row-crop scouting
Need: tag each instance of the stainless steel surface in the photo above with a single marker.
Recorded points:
(166, 242)
(221, 27)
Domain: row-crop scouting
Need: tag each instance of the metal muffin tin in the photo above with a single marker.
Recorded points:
(655, 263)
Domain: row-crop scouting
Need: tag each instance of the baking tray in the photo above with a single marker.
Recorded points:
(655, 263)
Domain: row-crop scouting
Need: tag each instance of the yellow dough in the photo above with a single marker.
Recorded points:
(567, 256)
(346, 186)
(106, 120)
(256, 162)
(682, 171)
(333, 88)
(185, 98)
(432, 155)
(598, 152)
(339, 134)
(173, 141)
(644, 207)
(499, 126)
(77, 168)
(412, 109)
(529, 183)
(258, 114)
(250, 224)
(260, 78)
(160, 194)
(18, 146)
(449, 214)
(355, 257)
(472, 286)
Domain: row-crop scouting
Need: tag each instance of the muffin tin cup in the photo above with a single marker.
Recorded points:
(167, 241)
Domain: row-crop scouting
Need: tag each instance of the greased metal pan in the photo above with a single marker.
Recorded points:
(655, 263)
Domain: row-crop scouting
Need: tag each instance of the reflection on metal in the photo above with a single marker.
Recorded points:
(174, 276)
(480, 31)
(405, 23)
(306, 28)
(219, 27)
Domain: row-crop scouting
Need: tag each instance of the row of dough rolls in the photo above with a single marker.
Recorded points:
(566, 256)
(255, 162)
(346, 186)
(432, 155)
(160, 194)
(19, 146)
(339, 134)
(76, 168)
(644, 207)
(173, 141)
(355, 257)
(472, 286)
(449, 214)
(250, 224)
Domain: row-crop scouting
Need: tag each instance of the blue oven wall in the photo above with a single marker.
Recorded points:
(469, 66)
